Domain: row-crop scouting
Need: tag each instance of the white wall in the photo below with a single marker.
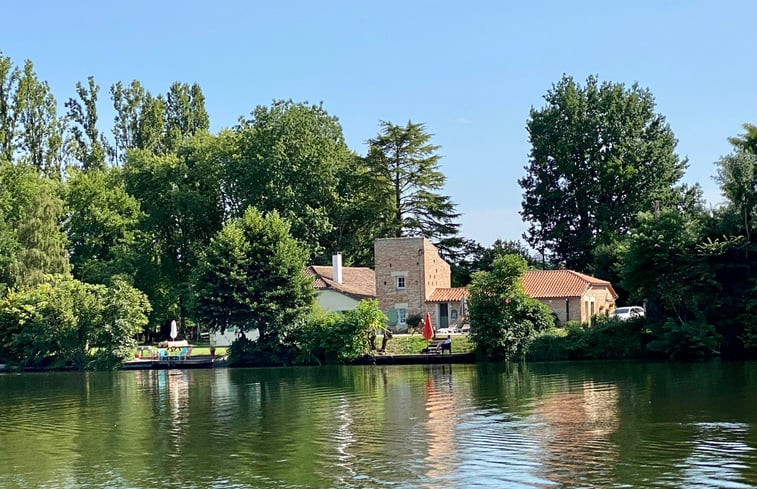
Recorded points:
(225, 339)
(332, 301)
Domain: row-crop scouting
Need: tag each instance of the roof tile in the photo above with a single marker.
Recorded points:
(357, 282)
(560, 283)
(454, 294)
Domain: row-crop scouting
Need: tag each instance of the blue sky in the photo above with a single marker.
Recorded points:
(469, 70)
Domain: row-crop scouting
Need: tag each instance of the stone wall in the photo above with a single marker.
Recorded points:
(581, 309)
(423, 270)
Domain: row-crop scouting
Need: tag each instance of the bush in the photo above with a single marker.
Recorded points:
(64, 322)
(339, 338)
(609, 338)
(691, 339)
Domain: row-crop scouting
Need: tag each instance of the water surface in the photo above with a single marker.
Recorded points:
(543, 425)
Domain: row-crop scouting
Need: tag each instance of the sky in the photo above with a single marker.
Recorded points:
(470, 71)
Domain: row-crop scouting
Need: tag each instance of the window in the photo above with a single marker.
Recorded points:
(401, 316)
(453, 314)
(400, 282)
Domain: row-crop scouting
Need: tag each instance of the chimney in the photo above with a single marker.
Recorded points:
(336, 264)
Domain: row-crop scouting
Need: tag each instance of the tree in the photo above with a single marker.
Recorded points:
(504, 320)
(288, 158)
(737, 176)
(669, 263)
(40, 133)
(180, 197)
(90, 147)
(358, 217)
(71, 323)
(746, 141)
(102, 226)
(253, 277)
(476, 258)
(32, 211)
(128, 103)
(405, 168)
(599, 155)
(9, 75)
(185, 114)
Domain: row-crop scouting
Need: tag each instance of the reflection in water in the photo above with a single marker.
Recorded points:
(440, 422)
(446, 426)
(574, 429)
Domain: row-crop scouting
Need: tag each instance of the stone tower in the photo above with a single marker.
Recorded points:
(408, 270)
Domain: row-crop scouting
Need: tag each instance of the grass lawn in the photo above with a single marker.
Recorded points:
(411, 345)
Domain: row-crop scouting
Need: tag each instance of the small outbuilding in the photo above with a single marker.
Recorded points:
(572, 296)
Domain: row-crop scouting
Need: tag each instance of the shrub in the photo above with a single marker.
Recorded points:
(690, 339)
(609, 338)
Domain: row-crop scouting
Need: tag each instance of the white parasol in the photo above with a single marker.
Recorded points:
(174, 332)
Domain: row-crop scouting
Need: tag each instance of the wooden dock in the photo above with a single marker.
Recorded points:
(199, 361)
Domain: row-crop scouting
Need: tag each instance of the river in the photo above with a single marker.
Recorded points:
(537, 425)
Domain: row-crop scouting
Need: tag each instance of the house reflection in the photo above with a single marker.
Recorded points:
(442, 456)
(574, 431)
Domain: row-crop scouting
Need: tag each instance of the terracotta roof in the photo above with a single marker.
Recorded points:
(357, 282)
(560, 283)
(455, 294)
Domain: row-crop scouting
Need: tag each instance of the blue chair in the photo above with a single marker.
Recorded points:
(162, 354)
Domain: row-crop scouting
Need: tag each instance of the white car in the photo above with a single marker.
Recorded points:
(629, 312)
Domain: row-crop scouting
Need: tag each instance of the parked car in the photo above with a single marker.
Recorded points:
(629, 312)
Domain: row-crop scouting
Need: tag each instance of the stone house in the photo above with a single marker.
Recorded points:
(412, 279)
(341, 288)
(572, 296)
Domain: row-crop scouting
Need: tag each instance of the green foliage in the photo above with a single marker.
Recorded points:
(599, 155)
(9, 75)
(608, 338)
(89, 146)
(66, 322)
(102, 226)
(32, 213)
(185, 114)
(338, 338)
(404, 166)
(737, 176)
(689, 339)
(504, 320)
(287, 158)
(475, 258)
(39, 132)
(181, 199)
(253, 277)
(665, 265)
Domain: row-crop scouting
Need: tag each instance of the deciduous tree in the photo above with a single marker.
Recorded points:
(288, 157)
(253, 277)
(504, 320)
(90, 147)
(599, 155)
